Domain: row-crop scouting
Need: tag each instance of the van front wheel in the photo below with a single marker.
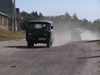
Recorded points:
(30, 44)
(48, 44)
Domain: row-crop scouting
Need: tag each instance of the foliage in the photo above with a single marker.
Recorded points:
(28, 17)
(98, 43)
(61, 22)
(7, 35)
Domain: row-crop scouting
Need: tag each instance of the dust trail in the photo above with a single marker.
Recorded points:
(64, 37)
(61, 39)
(90, 35)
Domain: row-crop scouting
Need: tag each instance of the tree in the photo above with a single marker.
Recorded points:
(40, 16)
(75, 17)
(23, 14)
(67, 16)
(61, 22)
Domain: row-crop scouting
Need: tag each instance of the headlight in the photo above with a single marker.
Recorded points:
(30, 34)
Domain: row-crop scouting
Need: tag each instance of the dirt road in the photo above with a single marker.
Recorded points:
(75, 58)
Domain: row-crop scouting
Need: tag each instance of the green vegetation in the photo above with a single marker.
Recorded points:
(62, 22)
(99, 43)
(7, 35)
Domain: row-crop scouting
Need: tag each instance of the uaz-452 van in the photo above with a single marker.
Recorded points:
(39, 32)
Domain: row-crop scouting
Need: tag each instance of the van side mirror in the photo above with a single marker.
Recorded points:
(51, 27)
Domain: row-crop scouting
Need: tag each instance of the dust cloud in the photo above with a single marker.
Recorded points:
(61, 38)
(90, 35)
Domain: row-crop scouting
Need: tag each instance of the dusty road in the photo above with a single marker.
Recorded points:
(75, 58)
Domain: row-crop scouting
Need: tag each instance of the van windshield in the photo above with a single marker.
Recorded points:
(38, 26)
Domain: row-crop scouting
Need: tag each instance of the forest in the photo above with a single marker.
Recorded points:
(61, 22)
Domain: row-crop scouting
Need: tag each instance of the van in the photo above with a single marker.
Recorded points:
(76, 34)
(39, 32)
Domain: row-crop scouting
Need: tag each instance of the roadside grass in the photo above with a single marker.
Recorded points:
(7, 35)
(99, 43)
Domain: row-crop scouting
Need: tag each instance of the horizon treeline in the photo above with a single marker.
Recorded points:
(61, 22)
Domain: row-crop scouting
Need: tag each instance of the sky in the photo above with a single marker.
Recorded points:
(88, 9)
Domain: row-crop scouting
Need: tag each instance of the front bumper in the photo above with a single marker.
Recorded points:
(37, 39)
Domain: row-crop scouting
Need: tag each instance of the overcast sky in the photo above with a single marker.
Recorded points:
(89, 9)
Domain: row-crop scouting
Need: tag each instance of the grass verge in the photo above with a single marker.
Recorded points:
(99, 43)
(7, 35)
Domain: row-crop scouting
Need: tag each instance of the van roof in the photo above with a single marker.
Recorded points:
(77, 29)
(42, 21)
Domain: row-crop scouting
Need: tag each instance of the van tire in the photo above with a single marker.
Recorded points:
(48, 44)
(30, 44)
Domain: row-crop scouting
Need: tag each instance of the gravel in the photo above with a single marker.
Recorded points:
(74, 58)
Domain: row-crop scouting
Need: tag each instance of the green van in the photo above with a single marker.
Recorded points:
(39, 32)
